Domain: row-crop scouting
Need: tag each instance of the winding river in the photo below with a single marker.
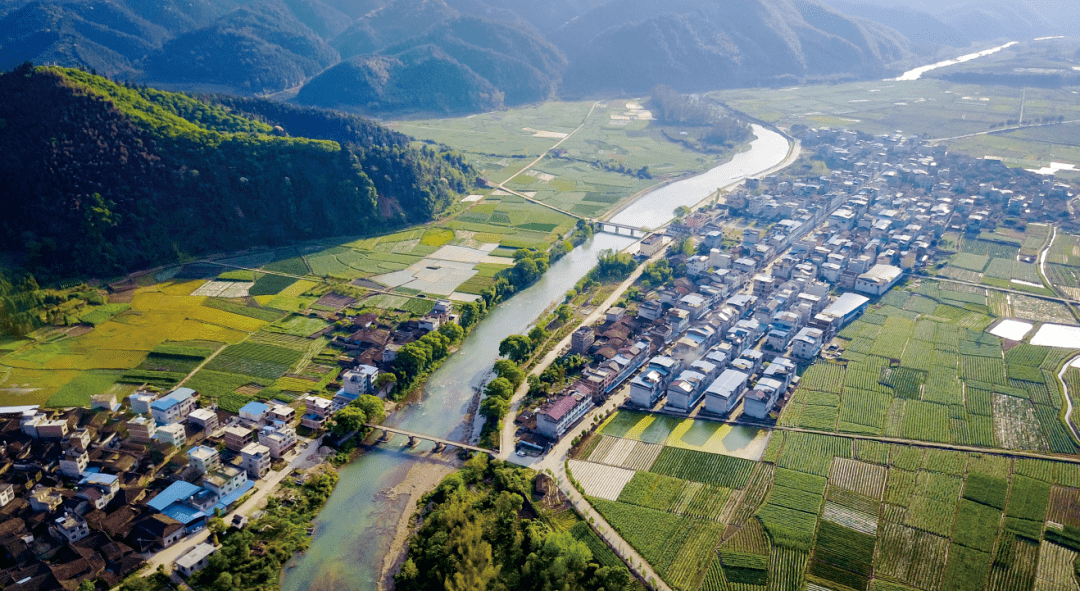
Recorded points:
(356, 528)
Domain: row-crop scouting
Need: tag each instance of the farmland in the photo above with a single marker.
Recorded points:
(840, 514)
(229, 298)
(918, 366)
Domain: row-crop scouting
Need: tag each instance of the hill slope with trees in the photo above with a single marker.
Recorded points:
(102, 178)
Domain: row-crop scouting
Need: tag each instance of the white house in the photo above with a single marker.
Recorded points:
(724, 393)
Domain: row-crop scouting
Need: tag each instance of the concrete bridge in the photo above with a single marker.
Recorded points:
(620, 229)
(414, 438)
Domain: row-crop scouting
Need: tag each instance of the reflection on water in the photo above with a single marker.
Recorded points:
(697, 434)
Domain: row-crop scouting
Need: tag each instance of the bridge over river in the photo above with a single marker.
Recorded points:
(438, 441)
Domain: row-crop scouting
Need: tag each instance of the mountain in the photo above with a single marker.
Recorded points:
(420, 79)
(101, 178)
(374, 54)
(394, 22)
(259, 47)
(990, 21)
(632, 45)
(109, 36)
(924, 30)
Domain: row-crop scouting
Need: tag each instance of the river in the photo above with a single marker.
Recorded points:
(918, 72)
(356, 528)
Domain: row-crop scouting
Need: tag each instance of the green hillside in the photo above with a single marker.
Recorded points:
(104, 178)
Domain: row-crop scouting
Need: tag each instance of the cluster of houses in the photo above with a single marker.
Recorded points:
(90, 493)
(769, 290)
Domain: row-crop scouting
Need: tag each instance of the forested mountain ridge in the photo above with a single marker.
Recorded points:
(103, 178)
(449, 56)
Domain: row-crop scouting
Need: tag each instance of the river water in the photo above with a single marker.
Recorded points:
(658, 207)
(356, 528)
(918, 72)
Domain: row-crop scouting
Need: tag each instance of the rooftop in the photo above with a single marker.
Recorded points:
(177, 491)
(195, 555)
(255, 408)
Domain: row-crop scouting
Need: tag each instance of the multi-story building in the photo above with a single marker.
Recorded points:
(279, 413)
(141, 401)
(70, 528)
(204, 459)
(354, 383)
(205, 418)
(582, 339)
(686, 391)
(279, 439)
(555, 418)
(254, 413)
(7, 494)
(173, 434)
(316, 412)
(74, 463)
(174, 407)
(237, 437)
(724, 393)
(807, 343)
(142, 429)
(256, 460)
(224, 481)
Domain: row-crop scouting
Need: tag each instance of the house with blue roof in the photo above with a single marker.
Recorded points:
(255, 412)
(174, 407)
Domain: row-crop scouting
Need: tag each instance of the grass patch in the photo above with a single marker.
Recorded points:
(77, 392)
(101, 314)
(269, 285)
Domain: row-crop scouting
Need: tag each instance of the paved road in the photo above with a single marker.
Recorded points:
(302, 459)
(506, 441)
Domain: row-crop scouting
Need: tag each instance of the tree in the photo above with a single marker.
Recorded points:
(494, 408)
(687, 247)
(505, 368)
(564, 313)
(452, 331)
(537, 335)
(515, 347)
(373, 407)
(682, 211)
(384, 380)
(347, 420)
(217, 526)
(500, 388)
(87, 585)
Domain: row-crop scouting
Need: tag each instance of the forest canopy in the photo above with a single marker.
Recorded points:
(103, 178)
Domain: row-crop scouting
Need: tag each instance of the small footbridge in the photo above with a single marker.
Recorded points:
(414, 438)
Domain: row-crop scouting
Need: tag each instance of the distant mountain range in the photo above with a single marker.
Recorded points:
(447, 56)
(450, 56)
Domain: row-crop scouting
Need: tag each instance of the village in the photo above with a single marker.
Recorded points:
(748, 291)
(773, 273)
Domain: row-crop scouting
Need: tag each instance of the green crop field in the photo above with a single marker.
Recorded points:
(846, 514)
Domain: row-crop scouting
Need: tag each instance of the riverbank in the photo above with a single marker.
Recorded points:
(421, 479)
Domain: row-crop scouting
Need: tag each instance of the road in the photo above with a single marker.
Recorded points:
(506, 440)
(554, 464)
(1004, 130)
(1068, 397)
(302, 459)
(1002, 289)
